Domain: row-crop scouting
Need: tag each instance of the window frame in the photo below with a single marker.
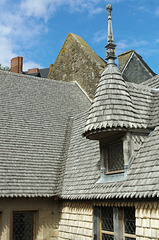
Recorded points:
(118, 224)
(104, 231)
(104, 156)
(34, 221)
(107, 159)
(123, 223)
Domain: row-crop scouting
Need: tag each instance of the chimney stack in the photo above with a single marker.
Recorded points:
(33, 70)
(17, 64)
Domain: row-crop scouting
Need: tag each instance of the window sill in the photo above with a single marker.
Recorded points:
(114, 172)
(112, 177)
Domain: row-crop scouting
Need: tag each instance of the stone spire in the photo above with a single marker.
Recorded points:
(110, 47)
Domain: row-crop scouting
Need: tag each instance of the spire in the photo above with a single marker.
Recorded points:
(112, 110)
(110, 47)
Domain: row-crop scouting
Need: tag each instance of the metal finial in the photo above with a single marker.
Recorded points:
(109, 8)
(110, 47)
(110, 29)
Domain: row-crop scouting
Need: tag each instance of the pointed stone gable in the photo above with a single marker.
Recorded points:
(78, 62)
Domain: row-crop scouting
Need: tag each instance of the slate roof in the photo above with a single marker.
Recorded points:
(112, 105)
(42, 73)
(152, 82)
(43, 153)
(33, 120)
(83, 161)
(134, 68)
(42, 150)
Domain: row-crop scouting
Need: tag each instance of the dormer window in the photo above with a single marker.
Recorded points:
(114, 158)
(113, 163)
(117, 153)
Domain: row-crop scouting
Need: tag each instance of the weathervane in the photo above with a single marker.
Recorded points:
(110, 47)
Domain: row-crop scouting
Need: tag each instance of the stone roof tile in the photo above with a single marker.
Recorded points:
(141, 181)
(33, 121)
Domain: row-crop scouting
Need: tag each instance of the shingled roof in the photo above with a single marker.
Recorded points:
(34, 116)
(43, 152)
(82, 173)
(112, 106)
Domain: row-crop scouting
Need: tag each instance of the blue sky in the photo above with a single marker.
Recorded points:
(36, 29)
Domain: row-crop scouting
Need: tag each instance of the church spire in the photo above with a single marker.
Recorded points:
(110, 47)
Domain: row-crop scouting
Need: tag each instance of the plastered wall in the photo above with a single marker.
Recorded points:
(46, 210)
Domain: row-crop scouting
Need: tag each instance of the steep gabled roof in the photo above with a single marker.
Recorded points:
(134, 68)
(33, 120)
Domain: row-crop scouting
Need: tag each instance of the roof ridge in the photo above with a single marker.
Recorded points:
(37, 78)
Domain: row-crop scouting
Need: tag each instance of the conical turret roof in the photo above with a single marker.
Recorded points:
(112, 107)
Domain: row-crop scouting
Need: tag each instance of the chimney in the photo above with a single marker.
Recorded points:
(17, 64)
(123, 59)
(33, 70)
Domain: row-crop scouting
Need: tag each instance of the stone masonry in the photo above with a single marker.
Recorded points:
(78, 62)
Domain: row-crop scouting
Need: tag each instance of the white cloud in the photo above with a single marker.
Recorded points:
(6, 51)
(122, 44)
(157, 11)
(22, 22)
(30, 65)
(100, 36)
(17, 32)
(97, 10)
(131, 44)
(3, 2)
(46, 8)
(137, 45)
(38, 8)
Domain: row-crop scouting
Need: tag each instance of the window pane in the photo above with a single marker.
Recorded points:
(107, 218)
(115, 157)
(107, 237)
(129, 220)
(23, 226)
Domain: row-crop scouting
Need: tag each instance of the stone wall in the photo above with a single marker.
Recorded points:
(76, 221)
(78, 62)
(147, 221)
(123, 59)
(47, 213)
